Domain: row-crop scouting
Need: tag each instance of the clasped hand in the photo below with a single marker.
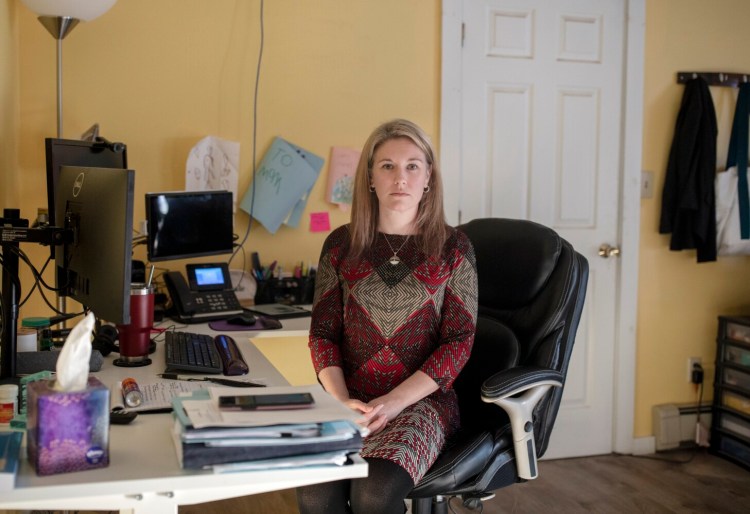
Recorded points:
(375, 414)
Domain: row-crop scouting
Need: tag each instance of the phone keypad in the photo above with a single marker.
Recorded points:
(218, 302)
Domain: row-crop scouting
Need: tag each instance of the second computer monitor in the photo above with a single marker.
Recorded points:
(189, 224)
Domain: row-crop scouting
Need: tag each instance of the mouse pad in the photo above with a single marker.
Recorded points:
(261, 323)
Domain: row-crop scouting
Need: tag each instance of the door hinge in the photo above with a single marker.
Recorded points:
(463, 33)
(459, 216)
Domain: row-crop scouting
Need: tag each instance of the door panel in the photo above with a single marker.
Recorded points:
(541, 129)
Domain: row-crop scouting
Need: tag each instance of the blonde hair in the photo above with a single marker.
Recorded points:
(430, 222)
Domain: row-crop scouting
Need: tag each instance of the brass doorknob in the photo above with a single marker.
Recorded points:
(606, 251)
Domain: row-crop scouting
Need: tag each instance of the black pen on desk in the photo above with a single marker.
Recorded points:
(215, 380)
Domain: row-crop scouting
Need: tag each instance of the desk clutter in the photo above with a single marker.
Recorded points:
(274, 285)
(69, 431)
(286, 436)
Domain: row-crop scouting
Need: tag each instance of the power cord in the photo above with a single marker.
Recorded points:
(36, 283)
(255, 135)
(39, 282)
(697, 377)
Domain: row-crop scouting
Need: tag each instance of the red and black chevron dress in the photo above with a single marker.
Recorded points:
(380, 322)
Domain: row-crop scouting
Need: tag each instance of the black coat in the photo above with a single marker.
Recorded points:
(688, 208)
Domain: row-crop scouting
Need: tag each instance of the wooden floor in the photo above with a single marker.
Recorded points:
(689, 482)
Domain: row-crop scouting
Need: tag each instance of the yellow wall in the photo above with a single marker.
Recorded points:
(161, 75)
(8, 101)
(679, 300)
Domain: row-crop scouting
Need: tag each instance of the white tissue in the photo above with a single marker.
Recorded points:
(73, 362)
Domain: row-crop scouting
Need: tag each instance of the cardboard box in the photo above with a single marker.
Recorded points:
(67, 431)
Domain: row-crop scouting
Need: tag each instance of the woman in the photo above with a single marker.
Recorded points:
(393, 320)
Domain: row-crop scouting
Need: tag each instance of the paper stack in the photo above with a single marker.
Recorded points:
(208, 438)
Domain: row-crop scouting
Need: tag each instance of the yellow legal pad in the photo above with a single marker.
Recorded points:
(290, 355)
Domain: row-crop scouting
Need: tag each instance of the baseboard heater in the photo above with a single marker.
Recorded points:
(674, 425)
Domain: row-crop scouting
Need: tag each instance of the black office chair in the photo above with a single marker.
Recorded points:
(532, 285)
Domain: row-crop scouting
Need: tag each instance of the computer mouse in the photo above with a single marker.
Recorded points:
(242, 319)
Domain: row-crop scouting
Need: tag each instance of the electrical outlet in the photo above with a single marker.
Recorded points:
(691, 362)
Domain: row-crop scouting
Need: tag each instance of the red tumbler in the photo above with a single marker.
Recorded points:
(136, 337)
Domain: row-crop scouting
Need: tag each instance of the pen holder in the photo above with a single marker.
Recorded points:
(287, 290)
(67, 431)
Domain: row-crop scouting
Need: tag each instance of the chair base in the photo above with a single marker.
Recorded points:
(440, 504)
(436, 505)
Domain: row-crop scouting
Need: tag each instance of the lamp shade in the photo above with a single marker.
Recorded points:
(85, 10)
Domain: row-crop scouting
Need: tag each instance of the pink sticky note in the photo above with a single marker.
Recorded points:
(319, 222)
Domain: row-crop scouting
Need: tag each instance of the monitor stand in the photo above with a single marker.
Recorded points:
(14, 231)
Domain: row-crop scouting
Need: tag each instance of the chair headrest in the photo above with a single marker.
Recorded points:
(515, 259)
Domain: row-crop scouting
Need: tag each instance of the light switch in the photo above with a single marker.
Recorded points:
(647, 184)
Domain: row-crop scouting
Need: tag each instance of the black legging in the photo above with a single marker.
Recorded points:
(383, 491)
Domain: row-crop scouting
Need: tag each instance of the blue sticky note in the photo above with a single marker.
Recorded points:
(283, 181)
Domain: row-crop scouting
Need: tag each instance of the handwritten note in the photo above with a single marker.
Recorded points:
(212, 164)
(283, 182)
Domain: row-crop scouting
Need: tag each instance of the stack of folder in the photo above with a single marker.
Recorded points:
(208, 438)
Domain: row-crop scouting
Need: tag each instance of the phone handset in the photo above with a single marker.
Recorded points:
(183, 299)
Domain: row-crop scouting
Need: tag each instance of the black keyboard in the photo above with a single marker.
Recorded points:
(186, 351)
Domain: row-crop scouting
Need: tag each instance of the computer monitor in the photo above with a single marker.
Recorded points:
(97, 205)
(99, 153)
(189, 224)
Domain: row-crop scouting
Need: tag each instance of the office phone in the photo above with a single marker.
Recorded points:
(206, 295)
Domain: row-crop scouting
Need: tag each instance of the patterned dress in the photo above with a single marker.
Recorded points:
(382, 322)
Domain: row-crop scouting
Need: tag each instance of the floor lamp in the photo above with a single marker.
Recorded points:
(60, 17)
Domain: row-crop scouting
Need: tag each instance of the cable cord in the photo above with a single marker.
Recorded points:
(36, 283)
(37, 275)
(255, 135)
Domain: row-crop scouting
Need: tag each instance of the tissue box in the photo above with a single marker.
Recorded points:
(67, 431)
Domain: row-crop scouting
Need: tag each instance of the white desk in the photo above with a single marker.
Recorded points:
(143, 475)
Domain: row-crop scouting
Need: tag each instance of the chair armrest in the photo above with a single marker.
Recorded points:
(516, 380)
(517, 391)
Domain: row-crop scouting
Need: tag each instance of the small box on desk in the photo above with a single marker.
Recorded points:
(67, 431)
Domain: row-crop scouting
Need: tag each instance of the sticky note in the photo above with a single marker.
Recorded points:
(320, 222)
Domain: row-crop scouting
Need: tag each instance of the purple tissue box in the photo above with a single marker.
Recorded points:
(67, 431)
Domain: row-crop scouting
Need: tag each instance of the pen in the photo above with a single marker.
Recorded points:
(220, 381)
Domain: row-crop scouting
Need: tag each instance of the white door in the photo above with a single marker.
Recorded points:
(541, 139)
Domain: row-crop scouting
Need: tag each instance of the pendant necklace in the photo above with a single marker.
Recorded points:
(395, 260)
